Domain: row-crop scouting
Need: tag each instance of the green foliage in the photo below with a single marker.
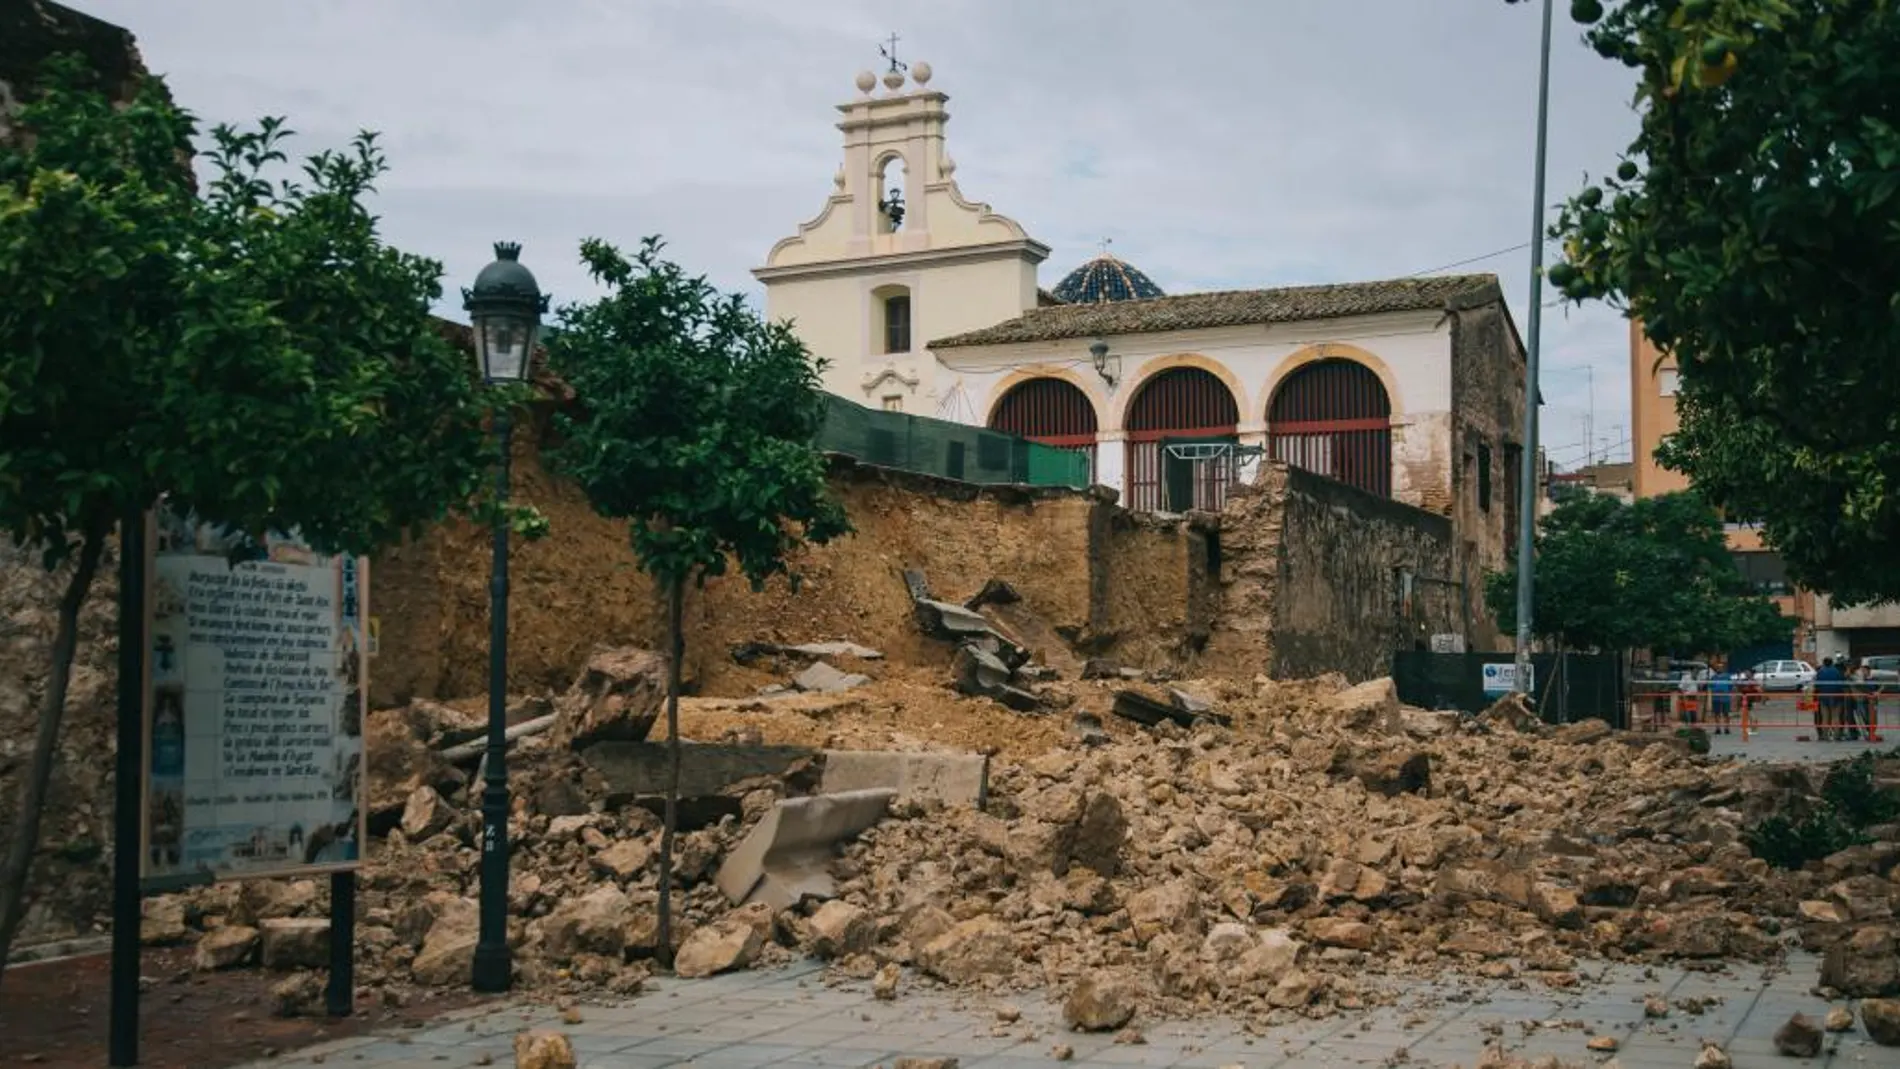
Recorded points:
(257, 353)
(1655, 574)
(1788, 842)
(696, 421)
(1851, 789)
(1754, 230)
(1851, 802)
(1697, 739)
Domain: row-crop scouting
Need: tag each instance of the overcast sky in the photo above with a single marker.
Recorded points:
(1220, 143)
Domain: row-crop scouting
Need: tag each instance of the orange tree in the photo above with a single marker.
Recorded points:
(1753, 228)
(1653, 574)
(256, 353)
(695, 422)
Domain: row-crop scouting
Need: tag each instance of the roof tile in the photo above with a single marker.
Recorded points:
(1228, 308)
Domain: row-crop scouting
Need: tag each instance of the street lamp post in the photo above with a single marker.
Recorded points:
(1527, 475)
(505, 308)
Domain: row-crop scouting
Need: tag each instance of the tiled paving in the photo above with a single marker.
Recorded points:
(791, 1018)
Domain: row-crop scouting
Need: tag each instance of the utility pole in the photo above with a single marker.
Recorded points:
(1527, 516)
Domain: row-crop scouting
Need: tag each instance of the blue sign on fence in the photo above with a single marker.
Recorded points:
(1502, 678)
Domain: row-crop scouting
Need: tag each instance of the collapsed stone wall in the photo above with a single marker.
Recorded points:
(1316, 576)
(1101, 578)
(1097, 577)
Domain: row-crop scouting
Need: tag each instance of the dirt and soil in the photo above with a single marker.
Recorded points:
(56, 1014)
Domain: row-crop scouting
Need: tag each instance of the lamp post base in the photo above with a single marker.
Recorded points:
(494, 969)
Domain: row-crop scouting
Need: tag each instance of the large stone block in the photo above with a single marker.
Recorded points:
(953, 779)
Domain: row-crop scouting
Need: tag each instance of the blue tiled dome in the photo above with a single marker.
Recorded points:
(1106, 279)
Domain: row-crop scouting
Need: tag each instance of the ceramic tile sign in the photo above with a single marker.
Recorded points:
(255, 705)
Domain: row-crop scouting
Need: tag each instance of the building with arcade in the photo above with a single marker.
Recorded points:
(924, 301)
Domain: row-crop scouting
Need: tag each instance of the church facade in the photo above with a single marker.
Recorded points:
(926, 302)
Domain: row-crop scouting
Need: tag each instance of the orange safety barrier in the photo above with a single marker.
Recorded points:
(1670, 709)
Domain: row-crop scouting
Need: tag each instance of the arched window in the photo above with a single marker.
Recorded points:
(1332, 417)
(1176, 426)
(1051, 411)
(890, 319)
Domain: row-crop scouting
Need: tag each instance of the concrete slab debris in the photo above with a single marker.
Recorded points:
(747, 652)
(950, 621)
(950, 778)
(637, 769)
(785, 857)
(822, 678)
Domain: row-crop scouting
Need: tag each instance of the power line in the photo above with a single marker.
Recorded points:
(1475, 259)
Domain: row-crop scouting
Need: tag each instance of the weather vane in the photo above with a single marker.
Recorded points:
(889, 51)
(1105, 243)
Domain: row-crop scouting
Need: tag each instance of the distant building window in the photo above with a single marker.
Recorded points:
(1484, 478)
(1666, 382)
(1764, 571)
(897, 323)
(894, 402)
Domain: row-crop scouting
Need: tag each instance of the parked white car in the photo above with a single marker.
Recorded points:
(1784, 675)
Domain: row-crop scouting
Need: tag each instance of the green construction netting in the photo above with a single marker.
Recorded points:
(951, 450)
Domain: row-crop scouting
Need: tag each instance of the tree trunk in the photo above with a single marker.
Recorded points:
(676, 636)
(26, 834)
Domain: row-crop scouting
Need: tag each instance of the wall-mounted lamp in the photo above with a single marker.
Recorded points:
(1109, 367)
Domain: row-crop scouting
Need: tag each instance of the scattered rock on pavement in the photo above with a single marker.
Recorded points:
(1881, 1018)
(543, 1050)
(298, 995)
(1713, 1057)
(840, 929)
(1100, 1003)
(1800, 1037)
(884, 985)
(717, 948)
(1839, 1019)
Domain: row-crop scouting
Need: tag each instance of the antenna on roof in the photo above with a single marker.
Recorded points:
(889, 51)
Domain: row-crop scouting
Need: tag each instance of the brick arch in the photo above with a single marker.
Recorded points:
(1132, 387)
(1023, 376)
(1310, 354)
(1332, 416)
(1174, 413)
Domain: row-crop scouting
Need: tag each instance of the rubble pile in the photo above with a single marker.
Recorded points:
(1264, 848)
(1331, 840)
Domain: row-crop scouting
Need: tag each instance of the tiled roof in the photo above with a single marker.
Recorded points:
(1228, 308)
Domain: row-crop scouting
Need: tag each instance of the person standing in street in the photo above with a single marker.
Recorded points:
(1721, 699)
(1830, 685)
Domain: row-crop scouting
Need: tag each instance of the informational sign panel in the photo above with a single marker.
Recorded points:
(255, 706)
(1502, 678)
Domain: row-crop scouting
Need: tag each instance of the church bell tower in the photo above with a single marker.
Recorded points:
(897, 256)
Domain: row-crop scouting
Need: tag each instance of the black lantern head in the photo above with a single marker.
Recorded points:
(505, 307)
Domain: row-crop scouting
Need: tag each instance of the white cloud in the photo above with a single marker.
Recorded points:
(1222, 144)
